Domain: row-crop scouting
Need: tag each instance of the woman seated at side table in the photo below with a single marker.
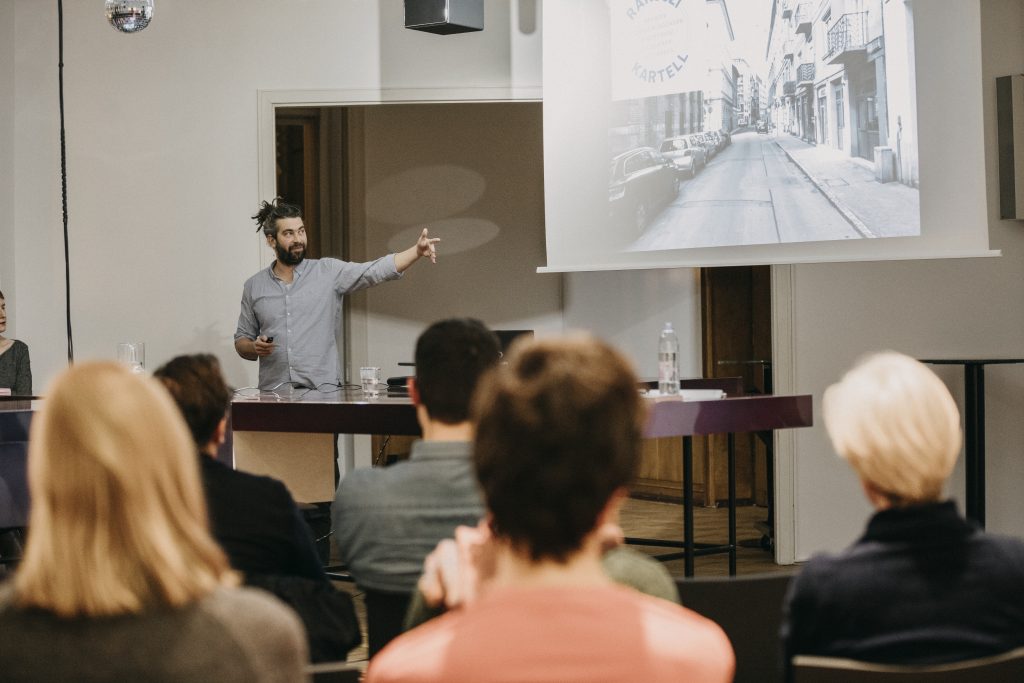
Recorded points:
(120, 579)
(922, 585)
(15, 369)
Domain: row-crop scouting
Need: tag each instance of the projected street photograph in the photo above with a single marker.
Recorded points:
(743, 122)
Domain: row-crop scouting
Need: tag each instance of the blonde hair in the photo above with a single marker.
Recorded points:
(896, 424)
(118, 518)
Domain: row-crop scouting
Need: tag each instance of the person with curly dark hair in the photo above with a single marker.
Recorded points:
(290, 311)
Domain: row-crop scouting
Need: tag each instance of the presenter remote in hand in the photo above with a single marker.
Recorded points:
(290, 310)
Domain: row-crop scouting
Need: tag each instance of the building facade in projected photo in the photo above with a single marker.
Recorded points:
(737, 122)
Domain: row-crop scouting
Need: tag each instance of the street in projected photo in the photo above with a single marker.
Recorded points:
(762, 121)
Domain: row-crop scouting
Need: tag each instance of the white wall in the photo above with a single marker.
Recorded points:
(162, 145)
(162, 151)
(950, 308)
(7, 94)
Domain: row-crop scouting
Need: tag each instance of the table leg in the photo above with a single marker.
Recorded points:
(974, 441)
(688, 546)
(732, 504)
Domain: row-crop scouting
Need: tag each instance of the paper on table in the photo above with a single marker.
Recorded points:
(688, 395)
(701, 394)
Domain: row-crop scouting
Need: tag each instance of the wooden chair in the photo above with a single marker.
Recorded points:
(1008, 666)
(334, 672)
(749, 610)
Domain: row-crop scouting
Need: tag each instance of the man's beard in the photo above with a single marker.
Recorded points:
(289, 258)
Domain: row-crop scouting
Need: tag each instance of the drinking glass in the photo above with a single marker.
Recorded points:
(369, 377)
(133, 354)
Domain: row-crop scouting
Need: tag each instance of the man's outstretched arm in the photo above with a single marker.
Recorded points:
(424, 247)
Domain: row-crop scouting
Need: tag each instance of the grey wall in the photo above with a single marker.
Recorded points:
(7, 95)
(945, 308)
(478, 187)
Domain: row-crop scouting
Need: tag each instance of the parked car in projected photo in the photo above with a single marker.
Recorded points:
(642, 181)
(681, 153)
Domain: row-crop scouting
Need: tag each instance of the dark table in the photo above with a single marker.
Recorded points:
(348, 412)
(342, 412)
(974, 428)
(15, 418)
(728, 416)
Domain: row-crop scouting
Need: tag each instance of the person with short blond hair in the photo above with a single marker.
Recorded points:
(121, 579)
(896, 424)
(922, 585)
(557, 439)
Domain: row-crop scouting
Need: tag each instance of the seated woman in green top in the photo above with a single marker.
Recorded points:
(15, 370)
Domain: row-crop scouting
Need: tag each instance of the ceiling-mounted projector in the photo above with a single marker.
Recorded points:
(445, 16)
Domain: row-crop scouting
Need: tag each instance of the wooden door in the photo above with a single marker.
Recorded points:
(736, 323)
(298, 168)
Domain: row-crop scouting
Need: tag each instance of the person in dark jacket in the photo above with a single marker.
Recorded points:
(922, 585)
(254, 518)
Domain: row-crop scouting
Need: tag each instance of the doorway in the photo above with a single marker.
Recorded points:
(736, 309)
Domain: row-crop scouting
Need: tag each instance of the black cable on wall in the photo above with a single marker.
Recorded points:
(64, 177)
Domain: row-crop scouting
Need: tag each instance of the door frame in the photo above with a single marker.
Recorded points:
(270, 100)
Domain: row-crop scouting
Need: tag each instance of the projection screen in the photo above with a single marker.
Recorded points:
(726, 132)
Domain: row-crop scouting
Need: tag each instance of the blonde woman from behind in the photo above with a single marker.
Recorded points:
(922, 585)
(121, 579)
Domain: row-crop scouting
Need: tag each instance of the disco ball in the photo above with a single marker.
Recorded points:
(129, 16)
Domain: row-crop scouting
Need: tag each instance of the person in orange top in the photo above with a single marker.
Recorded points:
(558, 434)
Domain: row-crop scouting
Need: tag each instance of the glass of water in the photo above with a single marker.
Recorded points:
(133, 354)
(369, 377)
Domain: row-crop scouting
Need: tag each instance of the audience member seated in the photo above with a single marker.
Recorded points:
(254, 518)
(121, 580)
(922, 585)
(15, 368)
(622, 564)
(386, 520)
(557, 439)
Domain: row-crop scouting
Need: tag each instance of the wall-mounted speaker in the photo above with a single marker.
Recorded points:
(1010, 119)
(444, 16)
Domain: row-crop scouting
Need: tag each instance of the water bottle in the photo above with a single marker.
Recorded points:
(668, 362)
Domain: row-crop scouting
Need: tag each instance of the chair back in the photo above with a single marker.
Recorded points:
(334, 672)
(328, 614)
(749, 610)
(1008, 666)
(385, 617)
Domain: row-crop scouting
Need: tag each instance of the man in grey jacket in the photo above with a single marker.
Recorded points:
(290, 311)
(386, 520)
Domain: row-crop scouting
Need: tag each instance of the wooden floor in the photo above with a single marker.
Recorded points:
(652, 519)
